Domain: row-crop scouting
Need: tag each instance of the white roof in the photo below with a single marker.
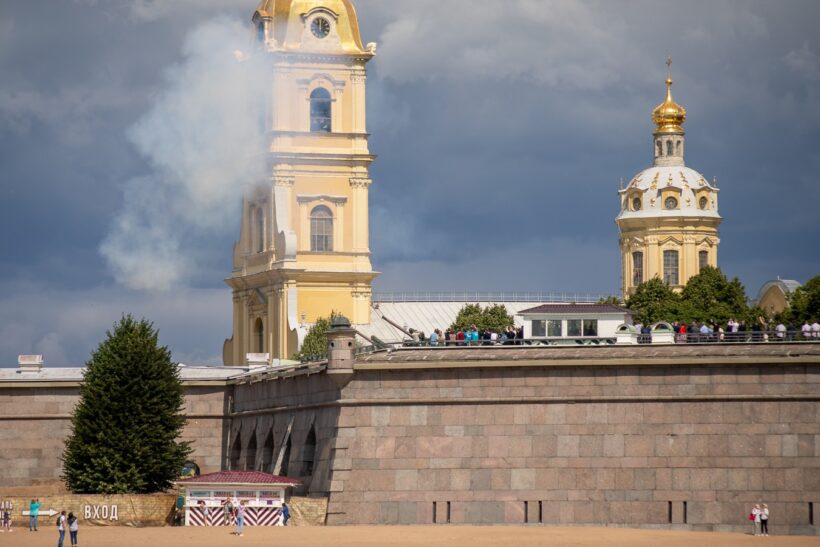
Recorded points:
(654, 180)
(75, 374)
(423, 316)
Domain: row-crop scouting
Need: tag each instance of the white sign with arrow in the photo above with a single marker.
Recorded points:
(49, 513)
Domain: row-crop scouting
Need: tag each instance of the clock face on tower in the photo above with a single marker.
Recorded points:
(320, 27)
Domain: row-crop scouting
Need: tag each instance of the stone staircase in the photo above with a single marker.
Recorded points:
(307, 511)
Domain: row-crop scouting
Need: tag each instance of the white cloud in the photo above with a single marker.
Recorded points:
(203, 138)
(805, 62)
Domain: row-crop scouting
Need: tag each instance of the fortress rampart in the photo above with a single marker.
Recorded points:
(651, 436)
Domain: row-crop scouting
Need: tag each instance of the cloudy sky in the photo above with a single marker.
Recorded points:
(502, 129)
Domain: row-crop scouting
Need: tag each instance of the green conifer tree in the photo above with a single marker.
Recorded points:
(129, 418)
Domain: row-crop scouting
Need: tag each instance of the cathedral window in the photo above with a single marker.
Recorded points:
(669, 146)
(679, 148)
(258, 230)
(703, 202)
(259, 336)
(321, 229)
(670, 268)
(636, 204)
(659, 153)
(703, 259)
(637, 268)
(320, 107)
(260, 32)
(670, 203)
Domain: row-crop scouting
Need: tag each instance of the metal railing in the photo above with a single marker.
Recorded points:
(474, 296)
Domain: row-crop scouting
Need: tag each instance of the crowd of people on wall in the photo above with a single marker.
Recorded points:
(736, 331)
(470, 336)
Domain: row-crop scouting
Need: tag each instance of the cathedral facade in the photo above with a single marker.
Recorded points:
(304, 248)
(669, 213)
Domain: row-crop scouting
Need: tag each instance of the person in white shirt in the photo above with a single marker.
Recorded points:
(756, 518)
(806, 330)
(815, 330)
(764, 520)
(780, 331)
(61, 528)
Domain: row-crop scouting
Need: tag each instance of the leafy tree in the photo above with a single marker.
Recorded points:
(128, 420)
(314, 348)
(804, 302)
(710, 296)
(614, 300)
(493, 318)
(654, 301)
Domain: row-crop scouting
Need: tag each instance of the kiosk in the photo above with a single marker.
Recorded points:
(209, 498)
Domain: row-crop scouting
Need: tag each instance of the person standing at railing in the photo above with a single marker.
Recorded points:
(434, 338)
(806, 330)
(780, 332)
(815, 330)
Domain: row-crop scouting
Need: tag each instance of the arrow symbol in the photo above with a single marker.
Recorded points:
(49, 513)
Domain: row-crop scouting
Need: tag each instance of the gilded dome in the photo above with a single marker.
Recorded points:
(287, 17)
(669, 115)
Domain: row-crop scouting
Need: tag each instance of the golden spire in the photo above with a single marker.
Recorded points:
(669, 115)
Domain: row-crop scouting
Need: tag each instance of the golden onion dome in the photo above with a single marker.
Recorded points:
(287, 18)
(669, 115)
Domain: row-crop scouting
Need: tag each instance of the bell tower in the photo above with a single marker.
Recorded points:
(304, 249)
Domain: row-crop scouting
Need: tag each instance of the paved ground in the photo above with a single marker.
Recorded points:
(362, 536)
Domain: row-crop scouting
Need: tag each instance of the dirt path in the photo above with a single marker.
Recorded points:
(363, 536)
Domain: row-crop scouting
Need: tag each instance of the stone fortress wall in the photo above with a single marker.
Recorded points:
(660, 436)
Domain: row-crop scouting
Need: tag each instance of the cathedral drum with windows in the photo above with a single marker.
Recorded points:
(304, 248)
(669, 213)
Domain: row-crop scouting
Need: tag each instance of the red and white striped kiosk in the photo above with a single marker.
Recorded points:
(208, 498)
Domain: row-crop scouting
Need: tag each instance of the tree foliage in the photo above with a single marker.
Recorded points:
(653, 301)
(707, 297)
(710, 296)
(493, 318)
(314, 347)
(126, 426)
(804, 302)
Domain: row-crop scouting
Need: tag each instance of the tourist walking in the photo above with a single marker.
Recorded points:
(61, 528)
(240, 518)
(755, 518)
(285, 514)
(73, 528)
(764, 520)
(33, 513)
(6, 520)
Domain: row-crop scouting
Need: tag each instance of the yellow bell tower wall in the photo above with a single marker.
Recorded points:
(304, 248)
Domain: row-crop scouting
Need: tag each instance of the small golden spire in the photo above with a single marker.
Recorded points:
(669, 115)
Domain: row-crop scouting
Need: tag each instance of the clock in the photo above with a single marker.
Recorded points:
(636, 204)
(320, 27)
(670, 203)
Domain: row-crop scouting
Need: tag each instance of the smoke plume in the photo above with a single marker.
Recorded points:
(202, 139)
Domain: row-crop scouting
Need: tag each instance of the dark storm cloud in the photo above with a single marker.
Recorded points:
(502, 129)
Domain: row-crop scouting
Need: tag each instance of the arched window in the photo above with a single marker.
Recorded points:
(283, 470)
(236, 452)
(250, 455)
(321, 229)
(309, 453)
(670, 268)
(637, 268)
(678, 148)
(320, 104)
(258, 229)
(659, 153)
(259, 336)
(669, 148)
(267, 454)
(703, 259)
(260, 32)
